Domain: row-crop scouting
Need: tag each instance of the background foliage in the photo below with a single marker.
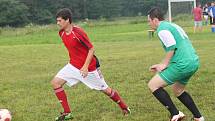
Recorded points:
(22, 12)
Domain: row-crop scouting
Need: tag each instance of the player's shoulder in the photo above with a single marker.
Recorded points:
(164, 25)
(78, 30)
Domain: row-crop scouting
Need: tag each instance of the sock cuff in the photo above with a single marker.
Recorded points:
(58, 89)
(158, 91)
(112, 93)
(182, 94)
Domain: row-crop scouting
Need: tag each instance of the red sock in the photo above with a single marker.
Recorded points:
(116, 98)
(61, 95)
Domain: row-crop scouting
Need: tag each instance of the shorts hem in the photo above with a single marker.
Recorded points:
(165, 79)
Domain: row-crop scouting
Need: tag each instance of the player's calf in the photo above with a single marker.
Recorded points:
(114, 95)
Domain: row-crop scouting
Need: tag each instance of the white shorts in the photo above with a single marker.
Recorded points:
(72, 76)
(198, 23)
(206, 17)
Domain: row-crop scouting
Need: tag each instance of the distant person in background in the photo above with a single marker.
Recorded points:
(205, 14)
(211, 12)
(197, 14)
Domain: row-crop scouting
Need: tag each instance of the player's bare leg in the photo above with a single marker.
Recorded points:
(178, 89)
(200, 28)
(57, 85)
(194, 29)
(57, 82)
(156, 82)
(114, 95)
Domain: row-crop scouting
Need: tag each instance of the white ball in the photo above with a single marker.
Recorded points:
(5, 115)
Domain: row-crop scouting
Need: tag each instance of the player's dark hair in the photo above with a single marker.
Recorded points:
(65, 14)
(156, 13)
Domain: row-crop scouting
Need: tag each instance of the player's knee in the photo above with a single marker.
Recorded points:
(107, 91)
(151, 86)
(55, 83)
(178, 92)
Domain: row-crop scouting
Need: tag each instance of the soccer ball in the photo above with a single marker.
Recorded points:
(5, 115)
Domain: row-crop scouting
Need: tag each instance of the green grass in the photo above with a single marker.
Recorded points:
(30, 60)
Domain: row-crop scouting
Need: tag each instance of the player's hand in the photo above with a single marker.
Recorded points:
(158, 67)
(153, 68)
(84, 71)
(161, 67)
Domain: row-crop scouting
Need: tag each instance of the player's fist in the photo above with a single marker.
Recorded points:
(153, 68)
(84, 71)
(158, 67)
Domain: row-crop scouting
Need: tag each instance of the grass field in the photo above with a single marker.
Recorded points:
(31, 56)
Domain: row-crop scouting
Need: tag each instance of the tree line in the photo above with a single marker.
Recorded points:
(22, 12)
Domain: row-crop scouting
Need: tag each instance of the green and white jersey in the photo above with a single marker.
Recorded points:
(173, 37)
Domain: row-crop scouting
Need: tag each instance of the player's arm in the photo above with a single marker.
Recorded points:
(168, 57)
(164, 64)
(86, 42)
(169, 42)
(84, 69)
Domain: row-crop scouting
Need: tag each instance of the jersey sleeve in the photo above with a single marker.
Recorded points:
(82, 36)
(167, 39)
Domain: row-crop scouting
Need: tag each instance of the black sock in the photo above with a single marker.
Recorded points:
(187, 100)
(165, 99)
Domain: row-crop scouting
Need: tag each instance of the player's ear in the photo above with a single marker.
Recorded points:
(149, 18)
(67, 20)
(156, 20)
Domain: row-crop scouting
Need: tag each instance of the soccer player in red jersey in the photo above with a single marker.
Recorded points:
(83, 66)
(197, 14)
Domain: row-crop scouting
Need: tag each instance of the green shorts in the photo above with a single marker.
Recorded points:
(179, 72)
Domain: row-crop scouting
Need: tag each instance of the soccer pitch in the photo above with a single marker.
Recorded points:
(30, 57)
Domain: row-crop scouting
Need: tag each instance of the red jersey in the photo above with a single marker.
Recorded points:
(197, 12)
(78, 45)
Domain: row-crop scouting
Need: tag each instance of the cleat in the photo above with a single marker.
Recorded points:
(126, 111)
(64, 117)
(178, 117)
(199, 119)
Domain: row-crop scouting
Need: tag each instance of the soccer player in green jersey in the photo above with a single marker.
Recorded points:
(177, 67)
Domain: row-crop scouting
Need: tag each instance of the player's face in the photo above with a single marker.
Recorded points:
(152, 23)
(62, 23)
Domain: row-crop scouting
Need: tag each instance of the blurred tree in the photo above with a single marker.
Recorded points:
(13, 13)
(39, 11)
(95, 8)
(20, 12)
